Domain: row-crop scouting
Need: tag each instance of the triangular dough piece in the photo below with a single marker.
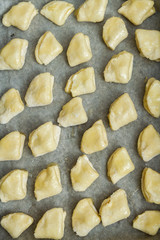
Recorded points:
(47, 49)
(20, 16)
(57, 11)
(92, 11)
(12, 55)
(11, 146)
(51, 225)
(119, 68)
(72, 113)
(94, 139)
(48, 182)
(16, 223)
(79, 50)
(40, 90)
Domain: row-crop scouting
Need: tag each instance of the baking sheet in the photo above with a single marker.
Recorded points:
(96, 106)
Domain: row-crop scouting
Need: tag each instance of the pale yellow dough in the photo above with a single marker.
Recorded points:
(40, 90)
(85, 217)
(136, 11)
(119, 165)
(82, 82)
(79, 50)
(114, 32)
(12, 55)
(11, 146)
(148, 143)
(10, 105)
(151, 100)
(148, 43)
(148, 222)
(44, 139)
(119, 68)
(91, 11)
(57, 11)
(83, 174)
(114, 208)
(48, 182)
(20, 15)
(16, 223)
(47, 49)
(122, 111)
(72, 113)
(13, 186)
(150, 185)
(51, 225)
(94, 139)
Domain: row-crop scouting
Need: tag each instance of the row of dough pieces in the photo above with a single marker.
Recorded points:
(84, 218)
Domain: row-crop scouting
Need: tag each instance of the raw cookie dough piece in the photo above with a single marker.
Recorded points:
(57, 11)
(79, 50)
(148, 43)
(83, 174)
(148, 222)
(119, 165)
(12, 55)
(122, 111)
(13, 186)
(10, 105)
(16, 223)
(44, 139)
(51, 225)
(119, 68)
(72, 113)
(39, 92)
(114, 208)
(148, 143)
(114, 32)
(151, 100)
(136, 11)
(150, 185)
(82, 82)
(47, 49)
(85, 217)
(20, 16)
(91, 11)
(48, 182)
(11, 146)
(95, 138)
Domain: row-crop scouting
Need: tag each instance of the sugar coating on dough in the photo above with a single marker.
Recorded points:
(47, 49)
(85, 217)
(136, 11)
(148, 143)
(13, 186)
(114, 208)
(16, 223)
(51, 225)
(57, 11)
(148, 222)
(119, 165)
(114, 32)
(48, 182)
(151, 100)
(91, 11)
(72, 113)
(83, 174)
(79, 50)
(121, 112)
(119, 68)
(20, 15)
(12, 55)
(44, 139)
(82, 82)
